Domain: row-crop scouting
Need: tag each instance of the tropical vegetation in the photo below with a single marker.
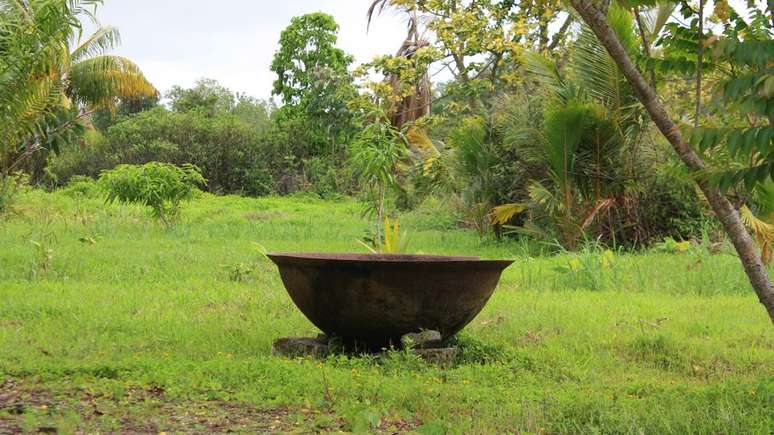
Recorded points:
(621, 151)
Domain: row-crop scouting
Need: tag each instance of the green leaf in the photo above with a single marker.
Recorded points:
(764, 139)
(748, 140)
(734, 140)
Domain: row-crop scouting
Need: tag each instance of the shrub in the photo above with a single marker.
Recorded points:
(326, 178)
(160, 186)
(229, 152)
(81, 187)
(7, 192)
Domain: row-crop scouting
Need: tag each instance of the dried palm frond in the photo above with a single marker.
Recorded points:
(502, 214)
(762, 231)
(416, 105)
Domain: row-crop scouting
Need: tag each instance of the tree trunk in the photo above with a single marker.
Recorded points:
(726, 213)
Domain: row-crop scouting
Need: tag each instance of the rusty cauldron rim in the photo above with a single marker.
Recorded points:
(356, 259)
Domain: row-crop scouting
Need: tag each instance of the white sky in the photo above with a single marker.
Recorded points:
(176, 42)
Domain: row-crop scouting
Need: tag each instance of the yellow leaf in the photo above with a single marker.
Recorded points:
(504, 213)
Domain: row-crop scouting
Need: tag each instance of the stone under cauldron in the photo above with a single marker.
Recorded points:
(373, 301)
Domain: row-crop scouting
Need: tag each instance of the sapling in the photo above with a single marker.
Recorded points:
(374, 156)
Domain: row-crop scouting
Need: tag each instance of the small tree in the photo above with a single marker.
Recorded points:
(160, 186)
(374, 155)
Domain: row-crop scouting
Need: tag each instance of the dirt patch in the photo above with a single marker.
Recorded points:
(26, 407)
(16, 400)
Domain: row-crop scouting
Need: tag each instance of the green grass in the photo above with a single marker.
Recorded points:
(116, 322)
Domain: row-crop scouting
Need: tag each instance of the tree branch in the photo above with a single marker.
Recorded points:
(559, 35)
(699, 65)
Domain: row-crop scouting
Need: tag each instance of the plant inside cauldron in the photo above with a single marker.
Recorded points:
(391, 241)
(374, 156)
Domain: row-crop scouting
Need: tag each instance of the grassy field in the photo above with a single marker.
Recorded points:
(109, 321)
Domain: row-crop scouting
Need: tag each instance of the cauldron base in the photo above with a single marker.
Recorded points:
(432, 351)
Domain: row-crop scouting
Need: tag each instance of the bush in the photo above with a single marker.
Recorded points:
(87, 158)
(160, 186)
(228, 151)
(81, 187)
(326, 179)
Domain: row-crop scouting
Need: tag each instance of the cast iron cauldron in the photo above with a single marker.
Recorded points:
(375, 299)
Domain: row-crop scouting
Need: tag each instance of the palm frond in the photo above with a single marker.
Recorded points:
(96, 82)
(98, 43)
(596, 209)
(655, 18)
(595, 69)
(546, 73)
(376, 8)
(544, 198)
(762, 231)
(502, 214)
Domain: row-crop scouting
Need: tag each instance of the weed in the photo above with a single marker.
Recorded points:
(589, 269)
(240, 272)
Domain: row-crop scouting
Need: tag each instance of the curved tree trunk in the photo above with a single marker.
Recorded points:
(725, 211)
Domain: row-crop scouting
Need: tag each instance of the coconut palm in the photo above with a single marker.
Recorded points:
(95, 80)
(46, 67)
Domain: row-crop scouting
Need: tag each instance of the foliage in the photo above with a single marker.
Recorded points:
(126, 107)
(160, 186)
(207, 95)
(374, 155)
(591, 269)
(9, 187)
(30, 54)
(739, 60)
(475, 159)
(759, 219)
(392, 241)
(227, 150)
(307, 45)
(672, 246)
(576, 178)
(314, 85)
(479, 42)
(52, 78)
(81, 187)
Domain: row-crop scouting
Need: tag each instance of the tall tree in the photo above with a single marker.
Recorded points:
(314, 83)
(596, 18)
(479, 42)
(307, 46)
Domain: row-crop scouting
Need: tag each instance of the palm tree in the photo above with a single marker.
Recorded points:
(95, 80)
(47, 70)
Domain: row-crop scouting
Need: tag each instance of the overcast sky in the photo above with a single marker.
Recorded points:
(176, 42)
